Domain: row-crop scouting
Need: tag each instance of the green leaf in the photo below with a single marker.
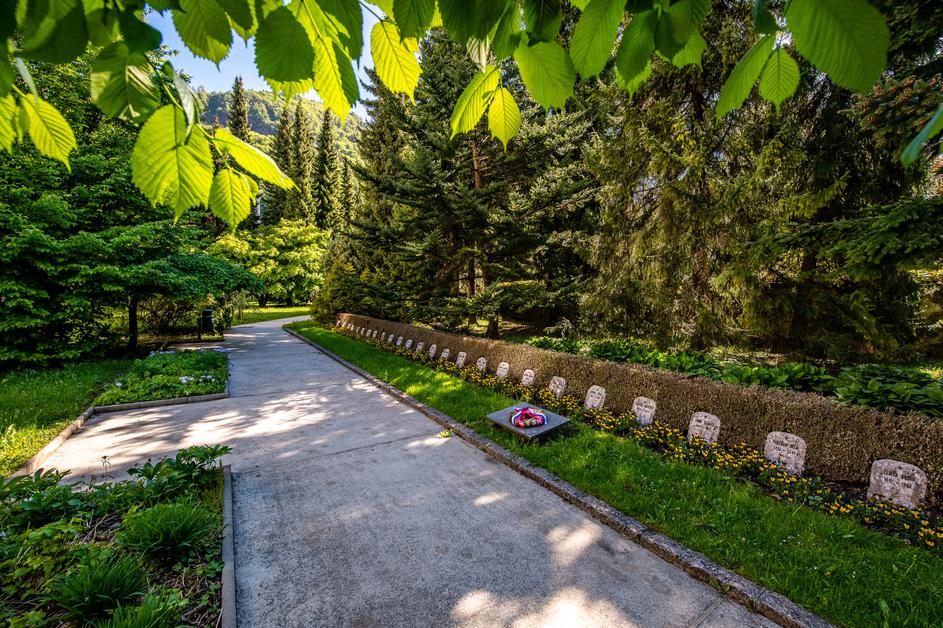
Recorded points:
(242, 15)
(396, 66)
(633, 59)
(507, 34)
(334, 77)
(478, 51)
(138, 36)
(50, 132)
(928, 132)
(692, 51)
(542, 19)
(204, 28)
(283, 51)
(740, 82)
(763, 20)
(54, 31)
(413, 16)
(547, 72)
(121, 84)
(7, 75)
(170, 167)
(594, 35)
(254, 161)
(846, 39)
(504, 116)
(342, 21)
(474, 100)
(684, 16)
(780, 77)
(465, 19)
(8, 125)
(231, 197)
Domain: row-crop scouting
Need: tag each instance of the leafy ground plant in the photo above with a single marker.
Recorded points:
(832, 565)
(96, 587)
(169, 532)
(170, 374)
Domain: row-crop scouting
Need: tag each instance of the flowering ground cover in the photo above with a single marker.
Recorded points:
(170, 374)
(771, 530)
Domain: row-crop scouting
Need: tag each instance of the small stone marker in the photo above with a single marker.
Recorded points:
(481, 364)
(460, 360)
(503, 369)
(595, 398)
(897, 482)
(704, 425)
(557, 386)
(527, 379)
(409, 343)
(644, 410)
(444, 355)
(399, 341)
(420, 347)
(376, 333)
(383, 337)
(432, 349)
(389, 339)
(787, 450)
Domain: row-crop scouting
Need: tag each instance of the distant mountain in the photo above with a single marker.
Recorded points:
(264, 110)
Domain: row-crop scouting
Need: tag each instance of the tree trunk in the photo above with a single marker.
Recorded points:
(133, 323)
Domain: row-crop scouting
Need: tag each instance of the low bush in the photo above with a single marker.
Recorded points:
(156, 610)
(94, 588)
(889, 387)
(170, 374)
(169, 532)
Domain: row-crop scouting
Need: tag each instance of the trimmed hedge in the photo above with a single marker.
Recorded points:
(842, 440)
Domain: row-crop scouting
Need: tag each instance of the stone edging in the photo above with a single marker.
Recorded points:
(40, 457)
(228, 602)
(772, 605)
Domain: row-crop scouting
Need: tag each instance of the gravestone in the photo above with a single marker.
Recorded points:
(420, 347)
(527, 379)
(481, 364)
(787, 450)
(898, 483)
(644, 410)
(432, 349)
(557, 386)
(460, 360)
(376, 333)
(530, 434)
(503, 369)
(595, 398)
(383, 337)
(704, 425)
(409, 343)
(389, 339)
(445, 354)
(399, 341)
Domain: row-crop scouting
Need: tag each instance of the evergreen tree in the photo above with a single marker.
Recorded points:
(347, 199)
(239, 111)
(300, 203)
(276, 199)
(325, 174)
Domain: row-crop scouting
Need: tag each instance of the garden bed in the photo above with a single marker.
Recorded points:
(831, 564)
(143, 552)
(170, 375)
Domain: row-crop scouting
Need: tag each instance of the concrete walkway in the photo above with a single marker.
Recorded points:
(350, 511)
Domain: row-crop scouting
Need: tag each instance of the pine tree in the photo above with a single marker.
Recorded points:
(324, 175)
(276, 199)
(239, 111)
(300, 205)
(347, 201)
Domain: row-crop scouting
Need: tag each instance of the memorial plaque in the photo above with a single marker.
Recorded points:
(527, 379)
(787, 450)
(420, 347)
(557, 386)
(399, 341)
(503, 369)
(554, 422)
(595, 398)
(432, 350)
(445, 354)
(644, 410)
(705, 426)
(898, 483)
(409, 343)
(481, 364)
(460, 360)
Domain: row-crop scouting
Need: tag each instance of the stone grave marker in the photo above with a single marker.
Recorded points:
(527, 379)
(399, 341)
(898, 483)
(644, 410)
(444, 355)
(557, 386)
(481, 364)
(787, 450)
(383, 337)
(460, 360)
(420, 347)
(704, 425)
(409, 343)
(503, 369)
(432, 350)
(595, 398)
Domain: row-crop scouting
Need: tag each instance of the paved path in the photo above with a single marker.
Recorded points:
(350, 511)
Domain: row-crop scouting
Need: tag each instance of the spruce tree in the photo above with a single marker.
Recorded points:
(346, 200)
(300, 205)
(239, 111)
(324, 175)
(276, 199)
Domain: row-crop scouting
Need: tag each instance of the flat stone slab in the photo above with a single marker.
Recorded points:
(554, 422)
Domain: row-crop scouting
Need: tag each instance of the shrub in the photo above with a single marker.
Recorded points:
(169, 532)
(154, 611)
(889, 387)
(96, 587)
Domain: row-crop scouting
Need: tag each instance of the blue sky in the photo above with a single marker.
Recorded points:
(241, 59)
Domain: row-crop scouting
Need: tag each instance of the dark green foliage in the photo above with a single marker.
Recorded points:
(169, 532)
(893, 388)
(239, 111)
(98, 586)
(170, 374)
(325, 174)
(567, 345)
(300, 204)
(155, 611)
(689, 362)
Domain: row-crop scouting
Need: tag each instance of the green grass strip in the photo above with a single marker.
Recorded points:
(259, 314)
(830, 564)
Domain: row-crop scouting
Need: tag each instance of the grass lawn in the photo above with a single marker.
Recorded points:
(829, 564)
(36, 405)
(257, 314)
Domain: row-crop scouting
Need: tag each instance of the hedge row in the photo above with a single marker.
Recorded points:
(842, 440)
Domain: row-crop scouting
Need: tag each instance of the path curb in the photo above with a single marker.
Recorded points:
(770, 604)
(228, 602)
